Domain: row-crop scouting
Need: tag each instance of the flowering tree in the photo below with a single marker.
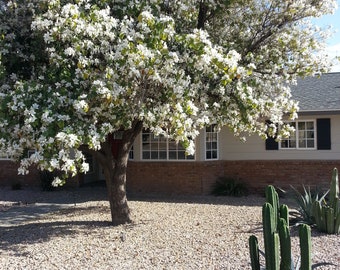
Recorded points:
(78, 71)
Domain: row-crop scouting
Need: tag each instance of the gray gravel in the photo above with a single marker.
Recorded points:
(71, 229)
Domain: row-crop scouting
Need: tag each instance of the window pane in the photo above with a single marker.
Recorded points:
(181, 155)
(162, 155)
(154, 146)
(293, 135)
(214, 154)
(145, 137)
(172, 155)
(162, 146)
(310, 143)
(310, 134)
(284, 143)
(146, 146)
(208, 155)
(154, 155)
(180, 147)
(301, 126)
(214, 145)
(172, 145)
(301, 134)
(302, 143)
(310, 125)
(292, 144)
(146, 155)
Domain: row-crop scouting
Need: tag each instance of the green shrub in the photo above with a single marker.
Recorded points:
(226, 186)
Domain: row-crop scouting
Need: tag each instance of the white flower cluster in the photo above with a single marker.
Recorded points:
(109, 66)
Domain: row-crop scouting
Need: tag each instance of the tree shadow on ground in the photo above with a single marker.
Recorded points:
(98, 192)
(42, 229)
(60, 196)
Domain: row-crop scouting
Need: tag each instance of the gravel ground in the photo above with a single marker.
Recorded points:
(71, 230)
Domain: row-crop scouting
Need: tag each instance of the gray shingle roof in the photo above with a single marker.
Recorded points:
(318, 94)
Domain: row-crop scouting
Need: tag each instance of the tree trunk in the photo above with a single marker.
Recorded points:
(115, 174)
(114, 168)
(202, 15)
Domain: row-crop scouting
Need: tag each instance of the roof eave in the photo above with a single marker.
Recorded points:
(319, 112)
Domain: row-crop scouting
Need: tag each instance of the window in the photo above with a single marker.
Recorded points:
(4, 156)
(211, 142)
(160, 148)
(131, 154)
(304, 136)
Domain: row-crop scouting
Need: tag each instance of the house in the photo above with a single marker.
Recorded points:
(158, 165)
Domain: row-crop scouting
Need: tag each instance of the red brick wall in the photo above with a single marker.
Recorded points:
(9, 175)
(198, 177)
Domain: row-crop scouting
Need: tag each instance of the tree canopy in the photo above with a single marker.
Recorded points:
(76, 71)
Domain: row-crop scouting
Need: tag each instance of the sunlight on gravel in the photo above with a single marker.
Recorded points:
(202, 233)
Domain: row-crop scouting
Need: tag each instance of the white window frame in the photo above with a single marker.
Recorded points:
(4, 156)
(167, 150)
(206, 133)
(297, 147)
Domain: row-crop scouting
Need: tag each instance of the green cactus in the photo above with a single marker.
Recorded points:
(327, 215)
(273, 198)
(334, 190)
(254, 252)
(305, 244)
(269, 230)
(277, 243)
(284, 213)
(285, 245)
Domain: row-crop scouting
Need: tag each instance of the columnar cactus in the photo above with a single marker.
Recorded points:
(276, 235)
(273, 198)
(285, 245)
(271, 243)
(254, 253)
(327, 215)
(305, 244)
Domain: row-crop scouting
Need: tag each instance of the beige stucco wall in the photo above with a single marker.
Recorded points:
(231, 148)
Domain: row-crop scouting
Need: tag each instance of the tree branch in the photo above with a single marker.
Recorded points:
(202, 15)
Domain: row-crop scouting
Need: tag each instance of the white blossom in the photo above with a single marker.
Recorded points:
(103, 71)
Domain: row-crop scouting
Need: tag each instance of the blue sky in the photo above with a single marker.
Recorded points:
(333, 48)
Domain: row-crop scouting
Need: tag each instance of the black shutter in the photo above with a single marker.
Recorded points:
(271, 144)
(323, 127)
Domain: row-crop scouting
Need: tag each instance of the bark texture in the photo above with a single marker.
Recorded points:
(114, 167)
